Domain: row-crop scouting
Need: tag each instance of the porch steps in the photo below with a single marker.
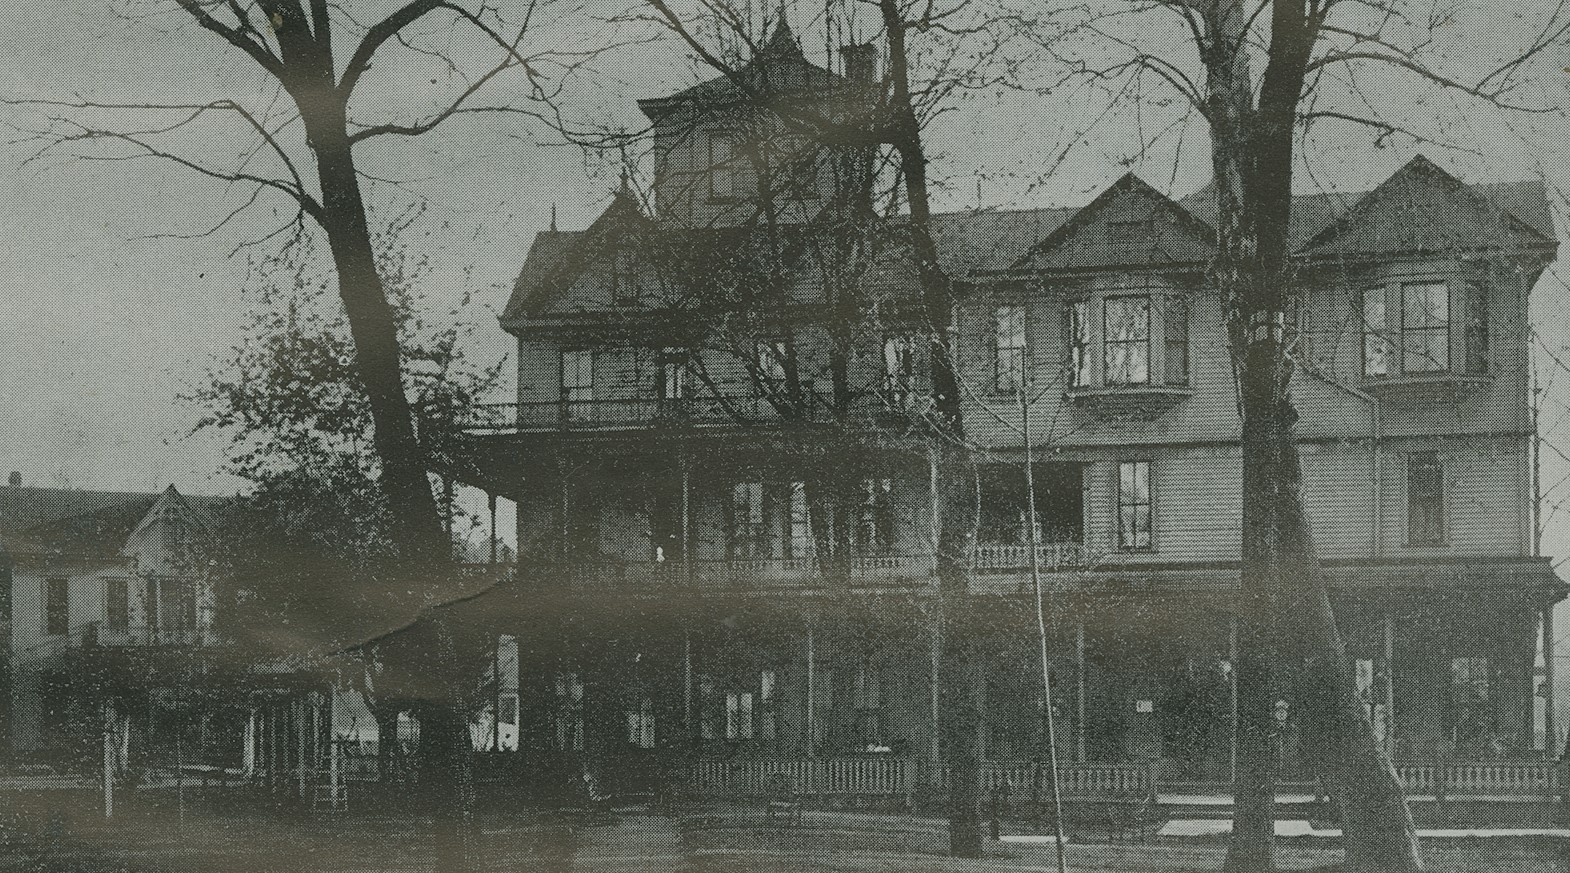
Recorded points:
(1208, 801)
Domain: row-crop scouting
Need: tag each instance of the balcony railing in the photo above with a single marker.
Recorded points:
(1051, 557)
(643, 412)
(765, 573)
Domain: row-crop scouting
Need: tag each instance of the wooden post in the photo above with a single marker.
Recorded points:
(935, 733)
(1232, 693)
(110, 720)
(812, 695)
(1390, 685)
(686, 680)
(1550, 722)
(300, 740)
(490, 500)
(1079, 694)
(248, 753)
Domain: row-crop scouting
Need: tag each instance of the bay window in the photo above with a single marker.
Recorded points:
(1123, 340)
(1424, 326)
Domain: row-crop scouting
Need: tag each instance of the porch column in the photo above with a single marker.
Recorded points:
(1390, 685)
(300, 741)
(490, 500)
(811, 743)
(1232, 694)
(935, 732)
(686, 513)
(1079, 690)
(110, 720)
(686, 686)
(248, 753)
(1550, 723)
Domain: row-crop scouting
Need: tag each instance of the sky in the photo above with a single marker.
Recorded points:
(116, 303)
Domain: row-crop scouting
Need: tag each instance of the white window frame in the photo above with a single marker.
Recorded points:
(1393, 347)
(1128, 535)
(1166, 340)
(1010, 348)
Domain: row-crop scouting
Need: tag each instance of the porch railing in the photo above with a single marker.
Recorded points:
(1484, 778)
(871, 777)
(638, 412)
(1051, 556)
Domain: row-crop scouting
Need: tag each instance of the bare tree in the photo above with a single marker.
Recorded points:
(298, 139)
(890, 124)
(1312, 51)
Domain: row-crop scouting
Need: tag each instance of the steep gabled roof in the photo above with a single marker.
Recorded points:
(558, 258)
(1169, 233)
(778, 68)
(1423, 209)
(989, 240)
(89, 524)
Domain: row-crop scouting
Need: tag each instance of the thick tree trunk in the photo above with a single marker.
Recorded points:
(374, 328)
(956, 510)
(1285, 602)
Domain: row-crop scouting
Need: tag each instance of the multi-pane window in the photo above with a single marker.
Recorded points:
(1081, 321)
(640, 723)
(799, 543)
(875, 517)
(57, 606)
(1008, 325)
(1425, 499)
(568, 716)
(1425, 327)
(1470, 677)
(1376, 334)
(675, 374)
(899, 367)
(1134, 505)
(1127, 340)
(866, 700)
(1475, 338)
(1174, 328)
(768, 726)
(738, 715)
(577, 382)
(749, 531)
(731, 174)
(626, 281)
(117, 605)
(772, 358)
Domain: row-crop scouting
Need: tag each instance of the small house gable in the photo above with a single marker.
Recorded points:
(1423, 210)
(1130, 224)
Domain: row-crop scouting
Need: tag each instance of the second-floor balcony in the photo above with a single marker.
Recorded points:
(738, 410)
(768, 573)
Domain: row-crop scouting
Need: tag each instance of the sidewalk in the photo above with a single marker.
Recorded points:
(1217, 827)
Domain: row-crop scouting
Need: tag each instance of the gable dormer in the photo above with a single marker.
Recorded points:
(1129, 226)
(724, 151)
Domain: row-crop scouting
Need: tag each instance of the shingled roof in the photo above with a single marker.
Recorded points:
(88, 524)
(778, 68)
(1436, 211)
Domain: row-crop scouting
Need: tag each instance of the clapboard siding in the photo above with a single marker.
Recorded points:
(1339, 498)
(1486, 493)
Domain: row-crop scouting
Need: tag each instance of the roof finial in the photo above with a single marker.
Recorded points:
(553, 218)
(783, 38)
